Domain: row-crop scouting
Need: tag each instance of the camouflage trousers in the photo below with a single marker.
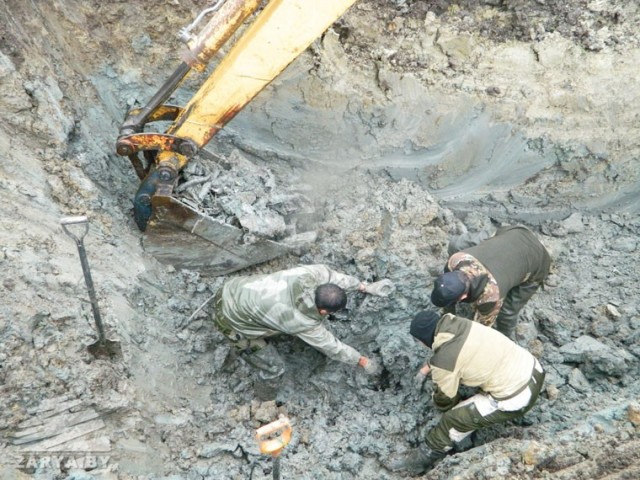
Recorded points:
(483, 410)
(257, 352)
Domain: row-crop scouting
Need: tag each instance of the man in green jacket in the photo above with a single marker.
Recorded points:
(497, 277)
(468, 353)
(296, 302)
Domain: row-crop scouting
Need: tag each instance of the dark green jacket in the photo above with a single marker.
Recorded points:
(514, 256)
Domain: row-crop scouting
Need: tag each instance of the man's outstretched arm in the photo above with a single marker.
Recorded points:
(323, 340)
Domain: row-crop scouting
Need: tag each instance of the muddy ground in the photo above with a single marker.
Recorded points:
(406, 123)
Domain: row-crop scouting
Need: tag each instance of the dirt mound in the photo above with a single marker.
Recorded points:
(406, 123)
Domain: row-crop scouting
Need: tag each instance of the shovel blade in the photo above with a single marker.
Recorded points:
(106, 349)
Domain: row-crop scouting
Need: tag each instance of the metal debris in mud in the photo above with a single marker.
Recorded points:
(236, 191)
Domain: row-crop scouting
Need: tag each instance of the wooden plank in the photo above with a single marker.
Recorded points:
(39, 420)
(100, 444)
(48, 404)
(65, 436)
(53, 426)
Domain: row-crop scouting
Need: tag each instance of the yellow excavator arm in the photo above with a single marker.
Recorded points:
(274, 36)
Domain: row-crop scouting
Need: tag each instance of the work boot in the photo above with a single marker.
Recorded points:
(266, 390)
(265, 360)
(417, 461)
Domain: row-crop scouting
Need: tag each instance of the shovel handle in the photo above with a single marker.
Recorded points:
(72, 220)
(272, 438)
(85, 269)
(82, 220)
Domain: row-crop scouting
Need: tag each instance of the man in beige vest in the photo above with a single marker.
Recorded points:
(471, 354)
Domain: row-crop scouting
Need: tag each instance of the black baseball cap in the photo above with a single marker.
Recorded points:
(448, 288)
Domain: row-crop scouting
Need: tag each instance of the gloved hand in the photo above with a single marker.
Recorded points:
(383, 288)
(371, 367)
(443, 402)
(419, 380)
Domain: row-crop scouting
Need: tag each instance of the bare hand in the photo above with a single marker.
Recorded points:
(421, 377)
(371, 367)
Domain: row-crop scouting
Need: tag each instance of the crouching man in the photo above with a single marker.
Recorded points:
(469, 353)
(498, 276)
(249, 310)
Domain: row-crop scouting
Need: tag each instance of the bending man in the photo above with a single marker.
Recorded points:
(296, 302)
(468, 353)
(497, 277)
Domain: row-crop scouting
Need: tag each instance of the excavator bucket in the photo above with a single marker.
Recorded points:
(274, 36)
(181, 236)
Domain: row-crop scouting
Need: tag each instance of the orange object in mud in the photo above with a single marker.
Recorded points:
(272, 438)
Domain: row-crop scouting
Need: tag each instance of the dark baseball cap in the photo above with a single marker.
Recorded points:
(448, 288)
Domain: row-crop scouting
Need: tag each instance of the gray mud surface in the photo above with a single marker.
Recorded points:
(406, 123)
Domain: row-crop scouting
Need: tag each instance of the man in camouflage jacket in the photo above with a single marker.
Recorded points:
(497, 277)
(295, 302)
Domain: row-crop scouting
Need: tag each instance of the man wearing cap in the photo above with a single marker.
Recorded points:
(468, 353)
(497, 277)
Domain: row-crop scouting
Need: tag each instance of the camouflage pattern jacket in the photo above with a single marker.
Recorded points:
(512, 257)
(283, 302)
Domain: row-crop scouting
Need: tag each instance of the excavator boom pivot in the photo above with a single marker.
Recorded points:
(271, 39)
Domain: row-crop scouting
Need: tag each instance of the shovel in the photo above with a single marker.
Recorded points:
(272, 438)
(103, 347)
